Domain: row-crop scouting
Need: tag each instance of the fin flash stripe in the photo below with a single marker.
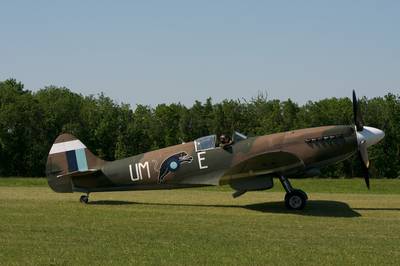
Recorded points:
(67, 146)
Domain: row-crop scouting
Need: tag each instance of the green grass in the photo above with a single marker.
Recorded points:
(201, 226)
(22, 181)
(355, 185)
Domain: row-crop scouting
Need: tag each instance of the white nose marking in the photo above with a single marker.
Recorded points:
(370, 135)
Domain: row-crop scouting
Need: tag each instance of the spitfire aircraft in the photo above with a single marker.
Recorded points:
(246, 164)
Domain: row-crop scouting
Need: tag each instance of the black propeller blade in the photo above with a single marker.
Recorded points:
(358, 120)
(365, 170)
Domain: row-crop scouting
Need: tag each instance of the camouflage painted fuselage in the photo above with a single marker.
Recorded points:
(248, 164)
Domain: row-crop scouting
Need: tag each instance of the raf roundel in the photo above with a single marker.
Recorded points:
(173, 165)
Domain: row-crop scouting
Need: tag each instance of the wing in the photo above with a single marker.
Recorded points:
(279, 162)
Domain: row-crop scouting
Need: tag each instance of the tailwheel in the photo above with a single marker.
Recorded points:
(296, 199)
(84, 199)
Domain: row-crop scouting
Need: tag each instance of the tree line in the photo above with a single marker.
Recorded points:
(30, 122)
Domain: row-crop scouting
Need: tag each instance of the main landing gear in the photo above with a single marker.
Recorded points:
(84, 198)
(295, 199)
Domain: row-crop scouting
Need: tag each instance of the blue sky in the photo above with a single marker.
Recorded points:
(152, 52)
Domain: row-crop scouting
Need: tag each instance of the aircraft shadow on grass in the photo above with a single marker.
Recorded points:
(111, 202)
(377, 209)
(321, 208)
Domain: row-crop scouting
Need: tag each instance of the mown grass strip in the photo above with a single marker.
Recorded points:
(322, 185)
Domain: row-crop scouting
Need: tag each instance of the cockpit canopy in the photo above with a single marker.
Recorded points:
(210, 142)
(237, 136)
(205, 143)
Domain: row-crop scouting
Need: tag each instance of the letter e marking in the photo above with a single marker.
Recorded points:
(199, 154)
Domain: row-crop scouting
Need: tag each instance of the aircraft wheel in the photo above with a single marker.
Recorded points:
(296, 200)
(84, 199)
(302, 192)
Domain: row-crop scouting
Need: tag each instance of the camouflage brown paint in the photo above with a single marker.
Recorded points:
(290, 153)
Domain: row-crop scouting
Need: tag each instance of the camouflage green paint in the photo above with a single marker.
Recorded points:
(290, 153)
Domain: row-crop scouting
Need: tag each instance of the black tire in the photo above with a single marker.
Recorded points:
(84, 199)
(301, 191)
(296, 200)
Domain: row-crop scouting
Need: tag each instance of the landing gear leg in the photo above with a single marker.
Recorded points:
(295, 199)
(84, 198)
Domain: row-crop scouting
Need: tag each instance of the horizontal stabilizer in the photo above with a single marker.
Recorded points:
(79, 173)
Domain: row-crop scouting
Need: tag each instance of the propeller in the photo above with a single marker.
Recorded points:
(358, 120)
(361, 140)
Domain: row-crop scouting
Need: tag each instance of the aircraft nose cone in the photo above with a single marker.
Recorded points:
(370, 135)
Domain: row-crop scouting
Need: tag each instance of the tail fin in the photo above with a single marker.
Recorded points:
(69, 157)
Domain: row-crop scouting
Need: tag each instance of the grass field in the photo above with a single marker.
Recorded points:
(342, 224)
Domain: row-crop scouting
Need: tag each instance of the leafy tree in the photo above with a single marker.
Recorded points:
(21, 134)
(29, 123)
